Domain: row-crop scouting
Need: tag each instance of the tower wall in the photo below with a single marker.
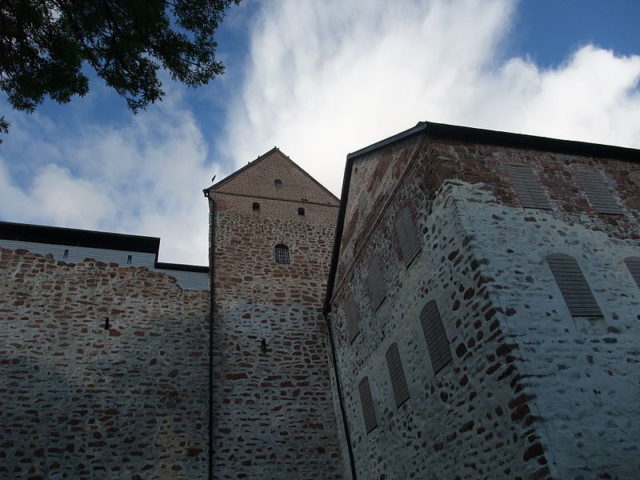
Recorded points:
(273, 404)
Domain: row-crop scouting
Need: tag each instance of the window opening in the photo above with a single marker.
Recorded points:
(573, 286)
(396, 373)
(65, 255)
(256, 207)
(282, 254)
(129, 259)
(300, 211)
(435, 335)
(527, 187)
(407, 235)
(633, 264)
(277, 182)
(366, 401)
(597, 192)
(377, 288)
(351, 318)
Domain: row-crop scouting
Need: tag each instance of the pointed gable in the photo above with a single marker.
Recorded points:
(275, 176)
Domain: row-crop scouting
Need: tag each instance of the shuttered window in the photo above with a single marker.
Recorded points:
(396, 373)
(377, 288)
(597, 192)
(351, 318)
(368, 410)
(527, 187)
(407, 235)
(573, 286)
(633, 264)
(436, 337)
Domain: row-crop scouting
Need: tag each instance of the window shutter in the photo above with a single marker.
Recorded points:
(573, 286)
(396, 373)
(436, 337)
(407, 235)
(633, 264)
(527, 187)
(377, 288)
(368, 411)
(597, 193)
(351, 318)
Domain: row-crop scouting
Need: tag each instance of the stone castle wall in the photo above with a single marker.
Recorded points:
(520, 397)
(78, 401)
(273, 404)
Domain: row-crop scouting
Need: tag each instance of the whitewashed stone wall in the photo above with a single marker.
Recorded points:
(583, 372)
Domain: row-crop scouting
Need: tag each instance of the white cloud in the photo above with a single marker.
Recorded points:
(322, 79)
(327, 78)
(142, 177)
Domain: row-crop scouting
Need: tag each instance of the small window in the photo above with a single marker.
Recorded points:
(574, 288)
(129, 259)
(599, 196)
(377, 288)
(300, 211)
(368, 410)
(65, 255)
(256, 207)
(633, 264)
(278, 183)
(436, 336)
(282, 254)
(407, 235)
(351, 318)
(396, 373)
(527, 187)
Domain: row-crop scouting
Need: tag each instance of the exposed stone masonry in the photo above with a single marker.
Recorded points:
(81, 401)
(531, 392)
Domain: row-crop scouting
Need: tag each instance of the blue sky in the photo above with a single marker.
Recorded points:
(320, 79)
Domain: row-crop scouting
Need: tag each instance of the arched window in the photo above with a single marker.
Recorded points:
(282, 254)
(300, 211)
(277, 182)
(396, 373)
(633, 264)
(407, 235)
(436, 336)
(573, 286)
(366, 402)
(256, 207)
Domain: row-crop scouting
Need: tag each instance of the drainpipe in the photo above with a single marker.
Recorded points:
(212, 303)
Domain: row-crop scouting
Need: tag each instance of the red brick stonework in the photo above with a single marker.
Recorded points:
(273, 406)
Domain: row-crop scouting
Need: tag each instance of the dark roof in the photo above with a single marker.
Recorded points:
(472, 135)
(82, 238)
(25, 232)
(504, 139)
(258, 160)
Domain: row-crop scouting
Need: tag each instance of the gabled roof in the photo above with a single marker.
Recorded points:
(226, 184)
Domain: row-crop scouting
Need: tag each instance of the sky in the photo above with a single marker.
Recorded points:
(320, 79)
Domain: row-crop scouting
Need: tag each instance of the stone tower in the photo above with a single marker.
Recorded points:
(272, 230)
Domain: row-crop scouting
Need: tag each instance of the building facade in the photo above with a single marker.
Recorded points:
(103, 358)
(272, 228)
(485, 304)
(469, 309)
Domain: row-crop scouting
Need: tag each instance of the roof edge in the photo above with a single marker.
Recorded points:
(504, 139)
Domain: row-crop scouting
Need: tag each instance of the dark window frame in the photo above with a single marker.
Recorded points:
(396, 375)
(573, 285)
(436, 336)
(281, 252)
(366, 403)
